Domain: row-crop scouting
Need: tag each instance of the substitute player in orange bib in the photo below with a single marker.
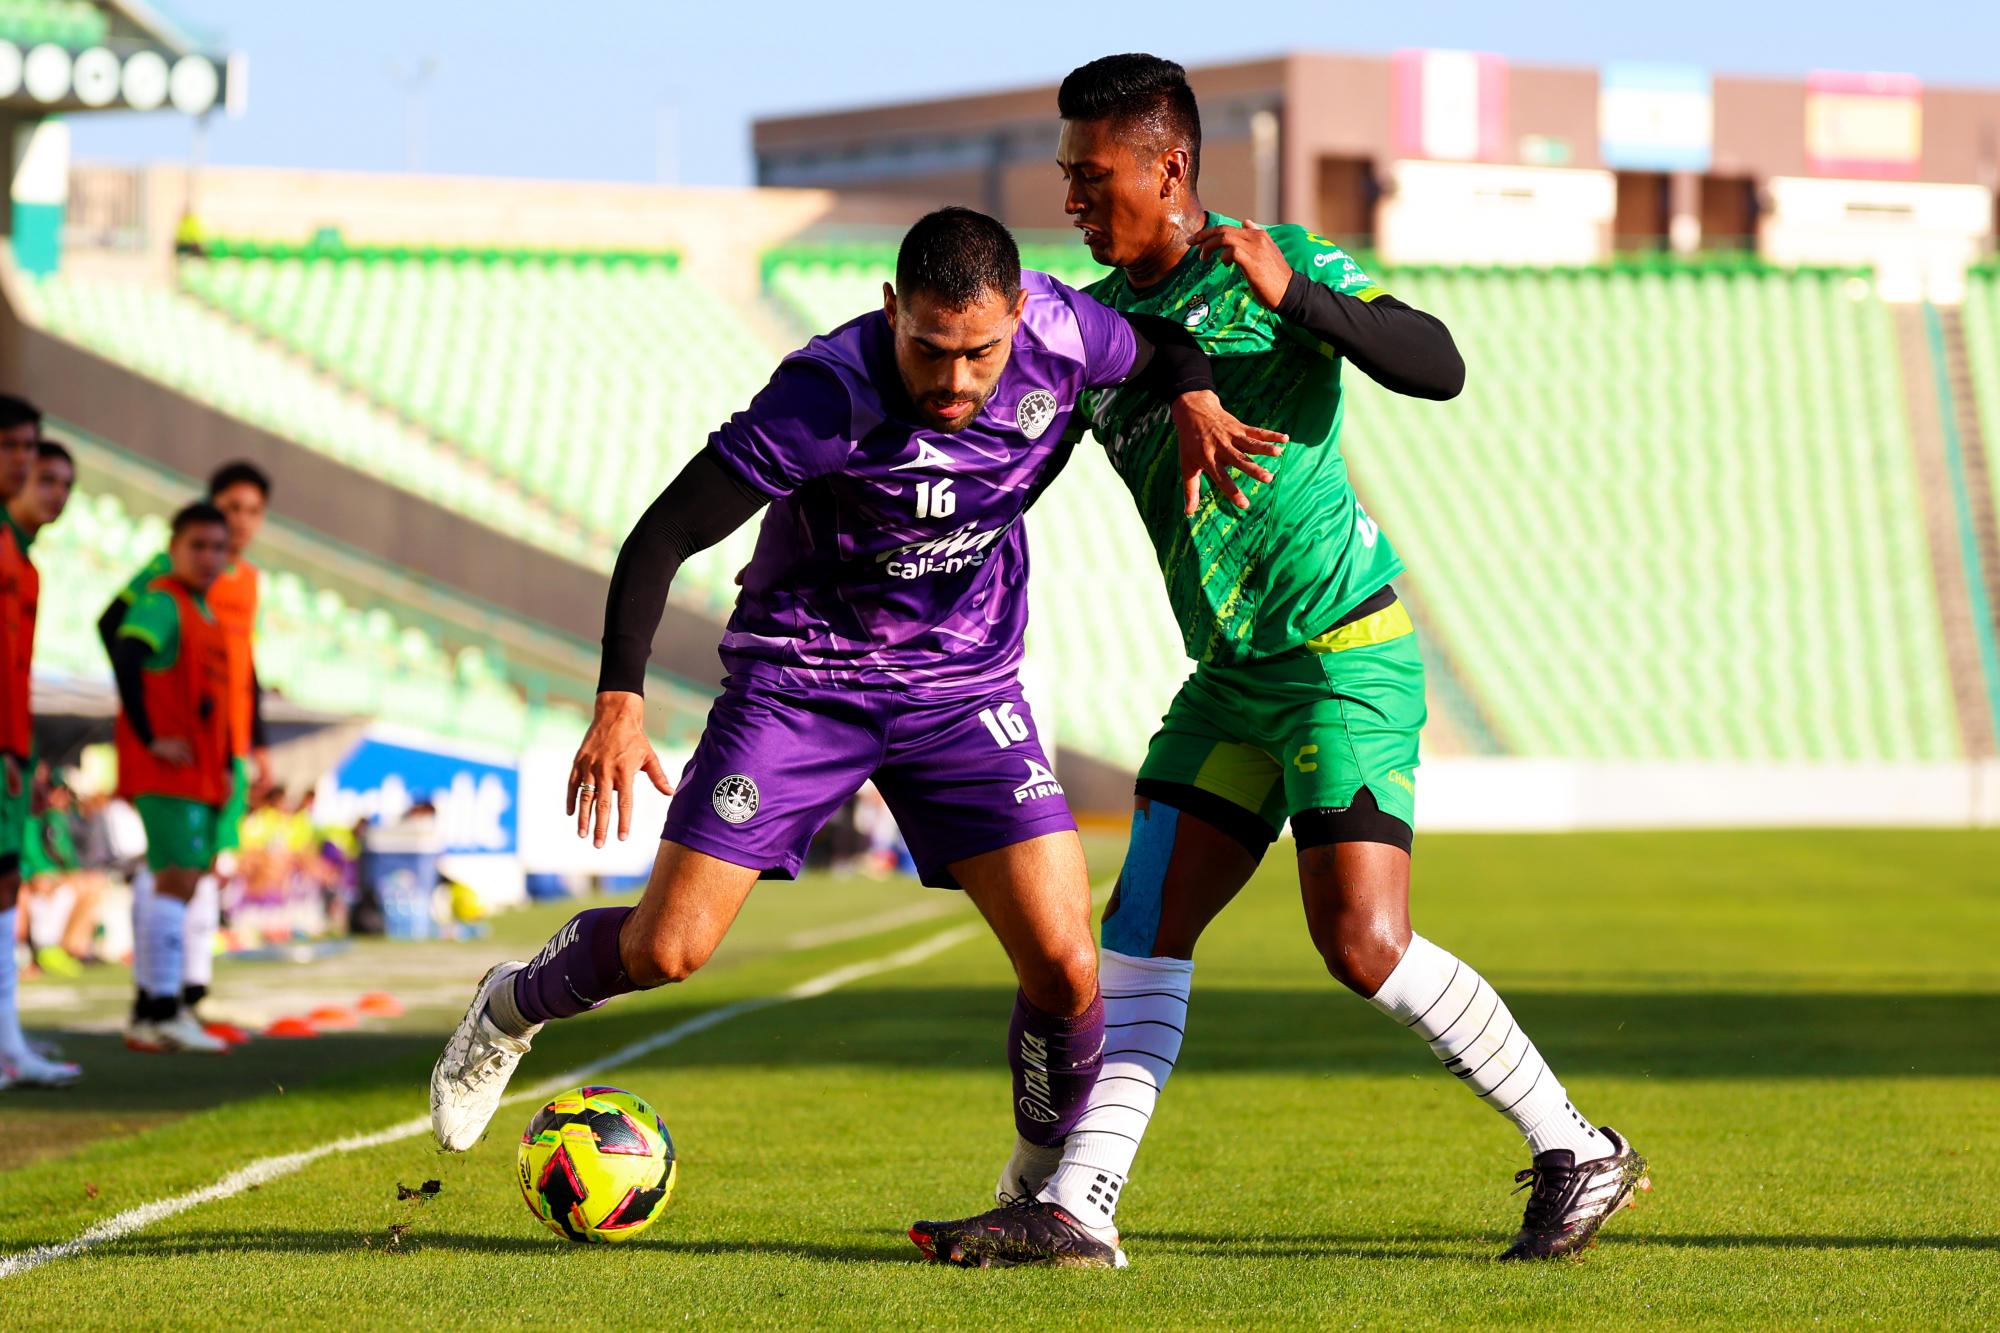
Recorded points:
(242, 491)
(176, 754)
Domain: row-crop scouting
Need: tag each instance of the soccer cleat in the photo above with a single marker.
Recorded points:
(32, 1071)
(469, 1078)
(1026, 1232)
(160, 1036)
(1027, 1170)
(1567, 1203)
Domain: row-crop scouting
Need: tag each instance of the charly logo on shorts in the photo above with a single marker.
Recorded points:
(735, 798)
(1036, 411)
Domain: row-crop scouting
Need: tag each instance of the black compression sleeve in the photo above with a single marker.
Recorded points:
(1169, 362)
(701, 506)
(128, 665)
(1399, 347)
(108, 623)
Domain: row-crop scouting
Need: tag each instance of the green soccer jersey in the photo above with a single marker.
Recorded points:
(1246, 584)
(143, 580)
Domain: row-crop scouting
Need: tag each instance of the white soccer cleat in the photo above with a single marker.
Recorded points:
(471, 1076)
(32, 1071)
(167, 1035)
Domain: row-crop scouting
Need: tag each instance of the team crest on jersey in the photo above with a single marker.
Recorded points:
(1036, 410)
(735, 798)
(1195, 315)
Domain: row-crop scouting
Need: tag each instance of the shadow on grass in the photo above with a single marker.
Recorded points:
(889, 1248)
(1475, 1246)
(1317, 1031)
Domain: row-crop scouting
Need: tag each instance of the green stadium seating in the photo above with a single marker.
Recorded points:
(316, 648)
(1673, 515)
(178, 342)
(73, 24)
(583, 381)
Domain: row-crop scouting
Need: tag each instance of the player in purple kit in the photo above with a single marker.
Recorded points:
(878, 636)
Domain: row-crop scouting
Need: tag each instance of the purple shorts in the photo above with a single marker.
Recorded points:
(962, 776)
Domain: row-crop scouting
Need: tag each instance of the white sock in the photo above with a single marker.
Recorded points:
(156, 955)
(1476, 1039)
(204, 915)
(1145, 1015)
(13, 1045)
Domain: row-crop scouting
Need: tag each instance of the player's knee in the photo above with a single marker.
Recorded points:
(661, 962)
(1360, 952)
(1064, 980)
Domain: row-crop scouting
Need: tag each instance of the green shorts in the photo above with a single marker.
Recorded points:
(229, 831)
(13, 819)
(180, 834)
(1306, 729)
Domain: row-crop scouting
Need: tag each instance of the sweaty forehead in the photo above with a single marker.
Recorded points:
(958, 329)
(1109, 142)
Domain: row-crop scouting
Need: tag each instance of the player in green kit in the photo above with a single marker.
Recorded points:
(1307, 695)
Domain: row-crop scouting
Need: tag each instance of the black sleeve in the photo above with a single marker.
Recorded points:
(108, 623)
(1398, 346)
(128, 662)
(260, 737)
(1169, 362)
(701, 506)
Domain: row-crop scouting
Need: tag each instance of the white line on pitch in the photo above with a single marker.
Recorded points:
(265, 1169)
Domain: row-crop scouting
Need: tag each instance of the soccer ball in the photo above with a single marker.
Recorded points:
(597, 1164)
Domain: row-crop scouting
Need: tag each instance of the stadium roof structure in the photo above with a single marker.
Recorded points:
(72, 56)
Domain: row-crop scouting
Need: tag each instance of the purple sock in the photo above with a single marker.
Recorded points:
(1055, 1063)
(577, 970)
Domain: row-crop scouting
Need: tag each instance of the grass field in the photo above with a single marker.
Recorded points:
(1802, 1030)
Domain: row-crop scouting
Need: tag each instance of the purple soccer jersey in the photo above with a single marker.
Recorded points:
(893, 552)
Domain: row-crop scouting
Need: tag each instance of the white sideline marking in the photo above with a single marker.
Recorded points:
(265, 1169)
(871, 925)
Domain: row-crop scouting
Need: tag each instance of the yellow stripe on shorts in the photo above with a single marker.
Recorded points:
(1391, 622)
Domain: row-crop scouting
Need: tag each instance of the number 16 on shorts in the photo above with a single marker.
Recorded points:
(1005, 724)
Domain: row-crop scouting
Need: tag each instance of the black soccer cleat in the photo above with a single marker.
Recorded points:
(1568, 1203)
(1025, 1232)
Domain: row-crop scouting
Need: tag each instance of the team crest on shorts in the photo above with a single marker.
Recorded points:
(735, 798)
(1037, 409)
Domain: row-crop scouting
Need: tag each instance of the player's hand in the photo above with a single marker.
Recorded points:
(1252, 250)
(1213, 443)
(172, 750)
(613, 750)
(260, 767)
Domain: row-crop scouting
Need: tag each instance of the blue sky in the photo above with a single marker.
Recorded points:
(629, 89)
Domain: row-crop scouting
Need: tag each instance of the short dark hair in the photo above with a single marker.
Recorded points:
(18, 411)
(239, 473)
(1137, 89)
(52, 450)
(195, 515)
(957, 255)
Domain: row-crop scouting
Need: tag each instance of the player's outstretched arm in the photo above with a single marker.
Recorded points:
(701, 506)
(1401, 348)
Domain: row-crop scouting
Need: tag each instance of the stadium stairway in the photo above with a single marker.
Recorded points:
(1976, 462)
(1961, 572)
